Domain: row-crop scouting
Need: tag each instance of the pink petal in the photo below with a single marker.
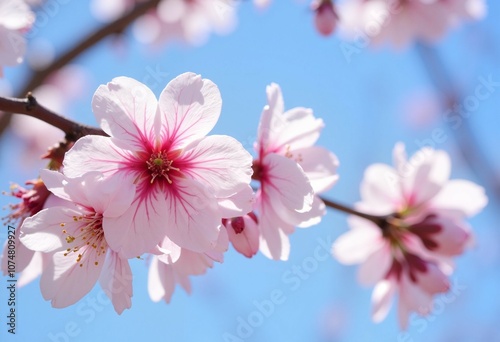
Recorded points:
(192, 263)
(116, 281)
(43, 231)
(433, 281)
(219, 162)
(382, 299)
(189, 106)
(161, 283)
(319, 165)
(94, 153)
(140, 228)
(64, 282)
(286, 183)
(22, 257)
(171, 251)
(314, 216)
(237, 204)
(271, 119)
(274, 242)
(357, 245)
(221, 247)
(375, 268)
(192, 217)
(126, 109)
(380, 190)
(302, 129)
(424, 176)
(460, 195)
(32, 271)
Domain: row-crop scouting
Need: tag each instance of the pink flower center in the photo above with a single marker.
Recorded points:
(159, 166)
(89, 239)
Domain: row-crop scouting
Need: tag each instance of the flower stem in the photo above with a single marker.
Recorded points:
(380, 221)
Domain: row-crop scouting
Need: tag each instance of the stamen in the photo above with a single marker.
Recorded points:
(159, 165)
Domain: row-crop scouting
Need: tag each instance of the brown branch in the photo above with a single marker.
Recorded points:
(29, 106)
(380, 221)
(117, 26)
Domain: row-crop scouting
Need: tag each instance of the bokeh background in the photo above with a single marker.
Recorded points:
(369, 101)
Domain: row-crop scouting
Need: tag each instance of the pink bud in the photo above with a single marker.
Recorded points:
(244, 234)
(325, 17)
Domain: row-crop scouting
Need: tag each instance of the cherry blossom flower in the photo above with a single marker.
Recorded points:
(15, 19)
(325, 17)
(29, 264)
(409, 254)
(160, 147)
(189, 21)
(177, 264)
(400, 21)
(291, 171)
(243, 232)
(74, 235)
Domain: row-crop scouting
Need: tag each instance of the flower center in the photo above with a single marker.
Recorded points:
(159, 166)
(90, 239)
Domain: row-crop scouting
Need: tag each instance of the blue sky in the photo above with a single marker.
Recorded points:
(362, 103)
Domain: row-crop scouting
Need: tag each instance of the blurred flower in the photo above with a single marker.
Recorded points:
(15, 19)
(161, 147)
(177, 264)
(410, 254)
(291, 171)
(75, 236)
(401, 21)
(325, 16)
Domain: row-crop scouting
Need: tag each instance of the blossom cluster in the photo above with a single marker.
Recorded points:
(159, 188)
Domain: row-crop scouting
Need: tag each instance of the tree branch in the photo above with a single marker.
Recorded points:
(29, 106)
(80, 47)
(380, 221)
(466, 140)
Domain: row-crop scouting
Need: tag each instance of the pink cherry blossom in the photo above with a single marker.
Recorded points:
(291, 171)
(177, 264)
(400, 21)
(160, 146)
(190, 21)
(243, 233)
(74, 235)
(325, 17)
(15, 19)
(410, 252)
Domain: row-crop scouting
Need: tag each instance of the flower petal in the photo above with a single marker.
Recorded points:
(237, 204)
(94, 153)
(274, 242)
(189, 106)
(126, 109)
(161, 282)
(380, 190)
(461, 195)
(319, 165)
(116, 281)
(33, 270)
(219, 162)
(382, 299)
(271, 120)
(376, 266)
(43, 231)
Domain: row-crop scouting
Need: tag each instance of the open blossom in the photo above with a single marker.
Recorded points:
(403, 21)
(160, 146)
(409, 254)
(291, 171)
(177, 264)
(74, 235)
(190, 21)
(15, 18)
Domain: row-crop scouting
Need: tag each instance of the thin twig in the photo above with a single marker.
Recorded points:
(117, 26)
(29, 106)
(380, 221)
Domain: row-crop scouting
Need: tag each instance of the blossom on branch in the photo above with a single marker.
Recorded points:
(74, 235)
(402, 21)
(15, 19)
(182, 178)
(410, 254)
(291, 172)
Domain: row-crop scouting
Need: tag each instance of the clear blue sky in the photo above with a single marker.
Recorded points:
(362, 104)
